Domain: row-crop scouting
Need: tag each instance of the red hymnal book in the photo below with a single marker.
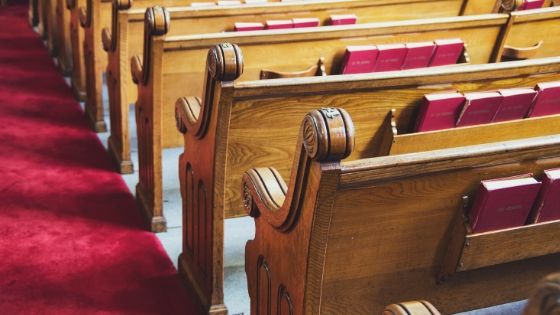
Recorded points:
(547, 101)
(305, 22)
(418, 55)
(390, 57)
(547, 207)
(439, 111)
(515, 104)
(479, 108)
(503, 203)
(241, 27)
(447, 52)
(343, 19)
(359, 59)
(228, 2)
(279, 24)
(531, 4)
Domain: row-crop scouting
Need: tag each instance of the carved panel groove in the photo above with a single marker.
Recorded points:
(263, 287)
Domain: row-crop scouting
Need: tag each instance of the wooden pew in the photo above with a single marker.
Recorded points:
(351, 237)
(544, 301)
(33, 12)
(174, 69)
(78, 74)
(241, 125)
(124, 39)
(94, 17)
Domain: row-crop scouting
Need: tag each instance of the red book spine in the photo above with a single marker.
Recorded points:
(390, 58)
(447, 52)
(359, 59)
(547, 101)
(343, 19)
(418, 55)
(515, 104)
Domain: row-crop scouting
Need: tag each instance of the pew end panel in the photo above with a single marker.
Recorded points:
(201, 260)
(64, 47)
(76, 41)
(295, 215)
(147, 74)
(92, 18)
(33, 13)
(388, 223)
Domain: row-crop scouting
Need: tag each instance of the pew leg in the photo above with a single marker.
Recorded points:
(124, 166)
(157, 223)
(190, 281)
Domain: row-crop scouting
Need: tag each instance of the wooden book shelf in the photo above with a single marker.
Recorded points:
(397, 143)
(468, 251)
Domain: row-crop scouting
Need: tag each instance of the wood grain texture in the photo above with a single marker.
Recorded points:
(392, 228)
(64, 45)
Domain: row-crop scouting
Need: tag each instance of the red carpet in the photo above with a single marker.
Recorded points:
(71, 238)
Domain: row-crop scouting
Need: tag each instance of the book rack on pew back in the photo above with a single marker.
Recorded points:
(343, 237)
(239, 125)
(123, 39)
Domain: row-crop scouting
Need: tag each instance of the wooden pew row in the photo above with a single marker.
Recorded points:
(545, 300)
(172, 68)
(351, 237)
(241, 125)
(78, 75)
(62, 42)
(33, 12)
(124, 39)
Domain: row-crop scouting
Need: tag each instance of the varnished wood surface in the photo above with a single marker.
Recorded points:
(78, 74)
(385, 223)
(64, 45)
(123, 40)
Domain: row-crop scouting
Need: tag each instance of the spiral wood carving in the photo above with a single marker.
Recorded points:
(225, 62)
(110, 39)
(546, 300)
(411, 308)
(328, 134)
(157, 21)
(122, 4)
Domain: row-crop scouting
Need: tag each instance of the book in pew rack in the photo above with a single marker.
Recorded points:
(418, 55)
(359, 59)
(390, 57)
(479, 108)
(343, 19)
(305, 22)
(439, 111)
(279, 24)
(447, 52)
(243, 26)
(531, 4)
(515, 104)
(547, 101)
(547, 207)
(503, 203)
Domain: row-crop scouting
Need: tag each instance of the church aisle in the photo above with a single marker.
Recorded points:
(71, 238)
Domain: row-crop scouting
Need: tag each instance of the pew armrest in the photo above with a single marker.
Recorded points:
(326, 135)
(411, 308)
(137, 70)
(315, 70)
(521, 53)
(106, 39)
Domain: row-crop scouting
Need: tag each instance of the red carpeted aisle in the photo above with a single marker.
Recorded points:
(71, 238)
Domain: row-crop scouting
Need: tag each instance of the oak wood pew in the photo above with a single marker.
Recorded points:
(172, 67)
(62, 43)
(33, 12)
(173, 70)
(351, 237)
(94, 17)
(545, 300)
(124, 39)
(240, 125)
(78, 74)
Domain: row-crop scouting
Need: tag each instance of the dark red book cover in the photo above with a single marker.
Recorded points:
(447, 52)
(547, 101)
(279, 24)
(547, 207)
(439, 111)
(390, 57)
(479, 108)
(515, 104)
(343, 19)
(503, 203)
(418, 55)
(243, 27)
(359, 59)
(531, 4)
(305, 22)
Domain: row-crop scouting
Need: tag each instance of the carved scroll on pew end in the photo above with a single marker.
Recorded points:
(411, 308)
(546, 299)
